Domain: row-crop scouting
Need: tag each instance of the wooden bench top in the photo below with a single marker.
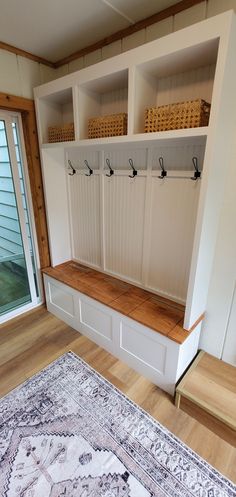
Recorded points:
(159, 314)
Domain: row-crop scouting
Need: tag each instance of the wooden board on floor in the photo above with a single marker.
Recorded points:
(209, 387)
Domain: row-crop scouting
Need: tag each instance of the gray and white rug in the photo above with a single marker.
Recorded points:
(67, 432)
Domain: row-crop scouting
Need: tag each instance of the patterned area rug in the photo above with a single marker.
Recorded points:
(67, 432)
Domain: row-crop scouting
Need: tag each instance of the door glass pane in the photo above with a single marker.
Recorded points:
(14, 284)
(24, 199)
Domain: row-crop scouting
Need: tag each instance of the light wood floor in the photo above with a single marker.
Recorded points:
(29, 343)
(210, 386)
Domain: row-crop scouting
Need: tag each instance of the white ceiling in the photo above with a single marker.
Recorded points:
(54, 29)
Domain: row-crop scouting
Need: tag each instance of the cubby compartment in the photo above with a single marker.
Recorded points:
(107, 95)
(178, 77)
(55, 110)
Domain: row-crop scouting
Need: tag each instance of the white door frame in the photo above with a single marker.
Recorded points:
(10, 117)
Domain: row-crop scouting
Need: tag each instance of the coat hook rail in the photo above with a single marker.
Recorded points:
(111, 170)
(197, 173)
(135, 172)
(89, 168)
(163, 171)
(72, 168)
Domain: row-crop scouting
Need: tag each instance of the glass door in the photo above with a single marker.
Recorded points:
(18, 281)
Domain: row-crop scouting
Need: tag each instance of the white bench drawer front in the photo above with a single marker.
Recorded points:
(96, 322)
(61, 301)
(143, 347)
(151, 354)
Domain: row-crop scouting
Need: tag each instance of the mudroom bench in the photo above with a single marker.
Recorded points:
(142, 329)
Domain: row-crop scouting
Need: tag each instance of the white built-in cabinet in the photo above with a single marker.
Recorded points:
(152, 354)
(157, 234)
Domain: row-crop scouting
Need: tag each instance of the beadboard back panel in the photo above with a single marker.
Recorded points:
(172, 224)
(85, 218)
(124, 202)
(197, 83)
(139, 229)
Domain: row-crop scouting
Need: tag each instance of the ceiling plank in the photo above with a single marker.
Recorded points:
(159, 16)
(23, 53)
(170, 11)
(118, 11)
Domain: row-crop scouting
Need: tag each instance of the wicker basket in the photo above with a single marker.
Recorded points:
(191, 114)
(61, 133)
(113, 125)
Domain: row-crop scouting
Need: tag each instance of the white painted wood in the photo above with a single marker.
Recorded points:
(95, 319)
(197, 55)
(172, 222)
(181, 63)
(132, 343)
(152, 91)
(29, 73)
(104, 96)
(57, 209)
(85, 220)
(190, 135)
(197, 83)
(148, 352)
(10, 79)
(124, 222)
(119, 159)
(89, 106)
(190, 349)
(145, 97)
(218, 155)
(223, 275)
(229, 350)
(61, 301)
(55, 110)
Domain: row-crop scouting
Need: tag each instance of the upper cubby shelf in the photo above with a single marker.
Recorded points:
(100, 97)
(190, 135)
(177, 68)
(55, 109)
(181, 76)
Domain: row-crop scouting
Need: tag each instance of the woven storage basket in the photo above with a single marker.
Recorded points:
(61, 133)
(190, 114)
(113, 125)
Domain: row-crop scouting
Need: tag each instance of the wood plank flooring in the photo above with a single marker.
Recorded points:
(210, 386)
(30, 342)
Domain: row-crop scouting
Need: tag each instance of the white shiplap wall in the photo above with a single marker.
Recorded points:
(140, 230)
(124, 202)
(85, 218)
(172, 224)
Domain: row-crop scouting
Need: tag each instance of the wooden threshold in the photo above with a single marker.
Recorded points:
(160, 314)
(209, 390)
